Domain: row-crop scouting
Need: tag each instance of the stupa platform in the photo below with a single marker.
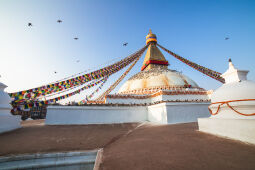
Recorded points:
(36, 137)
(134, 146)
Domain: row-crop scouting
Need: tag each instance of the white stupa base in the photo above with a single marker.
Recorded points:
(71, 115)
(238, 129)
(9, 123)
(163, 113)
(177, 112)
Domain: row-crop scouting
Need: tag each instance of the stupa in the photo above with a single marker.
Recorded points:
(232, 108)
(155, 94)
(156, 83)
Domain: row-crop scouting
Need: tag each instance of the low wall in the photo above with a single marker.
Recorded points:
(186, 112)
(157, 113)
(163, 113)
(57, 115)
(9, 122)
(181, 112)
(239, 129)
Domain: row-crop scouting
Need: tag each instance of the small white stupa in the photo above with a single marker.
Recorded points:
(8, 121)
(232, 108)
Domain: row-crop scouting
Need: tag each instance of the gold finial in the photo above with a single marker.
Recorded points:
(151, 37)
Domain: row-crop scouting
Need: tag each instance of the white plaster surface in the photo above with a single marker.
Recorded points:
(226, 113)
(8, 121)
(177, 112)
(186, 112)
(238, 129)
(57, 115)
(227, 122)
(233, 74)
(157, 113)
(163, 113)
(236, 87)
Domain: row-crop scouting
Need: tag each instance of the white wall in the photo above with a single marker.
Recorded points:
(157, 113)
(186, 112)
(177, 112)
(9, 122)
(163, 113)
(57, 115)
(239, 129)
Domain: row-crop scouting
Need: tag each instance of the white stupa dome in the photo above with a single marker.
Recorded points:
(235, 98)
(155, 79)
(234, 91)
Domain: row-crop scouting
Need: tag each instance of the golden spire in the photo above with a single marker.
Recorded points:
(153, 58)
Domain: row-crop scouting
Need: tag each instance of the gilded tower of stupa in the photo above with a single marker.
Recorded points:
(155, 75)
(153, 58)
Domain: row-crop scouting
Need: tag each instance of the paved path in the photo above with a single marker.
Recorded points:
(134, 146)
(178, 147)
(35, 137)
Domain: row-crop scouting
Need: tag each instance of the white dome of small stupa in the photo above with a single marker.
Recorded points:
(235, 98)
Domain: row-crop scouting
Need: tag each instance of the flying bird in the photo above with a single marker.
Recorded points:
(30, 24)
(76, 38)
(59, 21)
(78, 61)
(55, 72)
(125, 44)
(226, 38)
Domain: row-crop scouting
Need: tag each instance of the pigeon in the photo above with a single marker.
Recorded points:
(30, 24)
(125, 44)
(76, 38)
(59, 21)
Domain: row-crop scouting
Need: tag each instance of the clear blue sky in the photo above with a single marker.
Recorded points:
(193, 29)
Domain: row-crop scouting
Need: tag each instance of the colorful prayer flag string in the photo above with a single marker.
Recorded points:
(211, 73)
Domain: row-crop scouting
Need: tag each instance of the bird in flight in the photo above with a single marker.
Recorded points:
(78, 61)
(226, 38)
(55, 72)
(59, 21)
(125, 44)
(76, 38)
(30, 24)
